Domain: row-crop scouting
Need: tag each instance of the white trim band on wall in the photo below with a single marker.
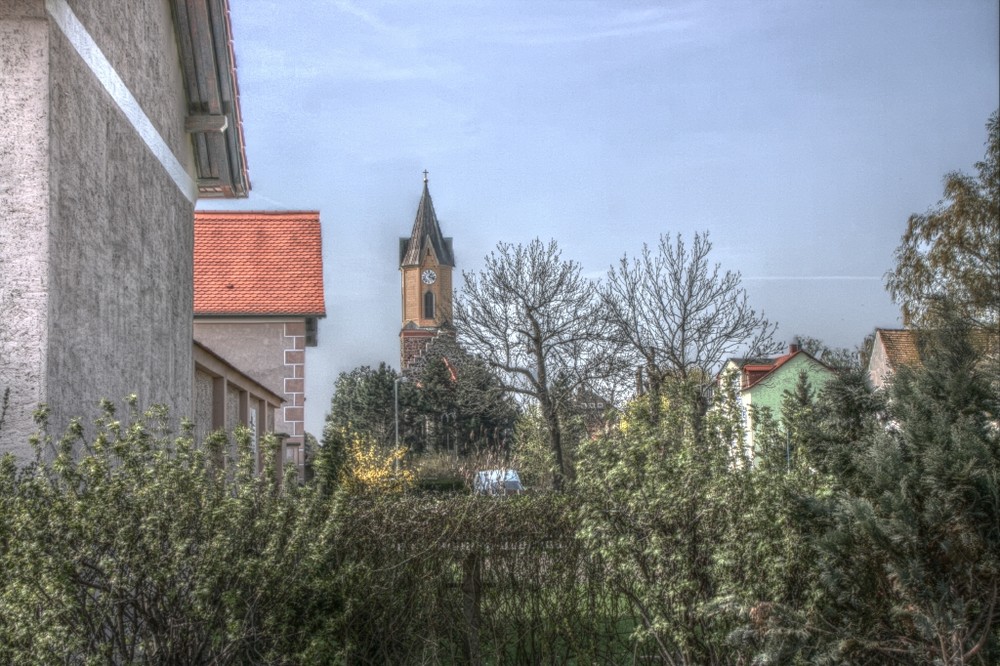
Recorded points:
(95, 60)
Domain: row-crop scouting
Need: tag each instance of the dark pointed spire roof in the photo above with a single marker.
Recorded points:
(425, 231)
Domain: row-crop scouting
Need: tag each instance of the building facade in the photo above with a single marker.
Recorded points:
(892, 348)
(763, 382)
(258, 296)
(117, 115)
(225, 397)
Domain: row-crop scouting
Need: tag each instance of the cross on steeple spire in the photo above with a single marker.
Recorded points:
(425, 175)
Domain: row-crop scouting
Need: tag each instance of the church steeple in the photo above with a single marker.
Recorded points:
(426, 261)
(426, 234)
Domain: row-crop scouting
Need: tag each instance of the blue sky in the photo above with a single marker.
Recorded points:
(801, 135)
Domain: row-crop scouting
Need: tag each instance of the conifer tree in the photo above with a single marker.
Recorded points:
(910, 567)
(463, 404)
(798, 416)
(365, 403)
(848, 414)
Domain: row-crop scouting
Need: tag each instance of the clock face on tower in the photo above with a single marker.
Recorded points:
(428, 276)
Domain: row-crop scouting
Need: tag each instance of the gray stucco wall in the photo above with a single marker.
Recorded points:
(97, 237)
(139, 40)
(121, 257)
(24, 195)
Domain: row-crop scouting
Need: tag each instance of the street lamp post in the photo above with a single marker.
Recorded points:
(395, 400)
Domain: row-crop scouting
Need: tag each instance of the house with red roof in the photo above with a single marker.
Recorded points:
(762, 382)
(258, 296)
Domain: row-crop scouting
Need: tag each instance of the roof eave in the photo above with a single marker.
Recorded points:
(260, 315)
(214, 121)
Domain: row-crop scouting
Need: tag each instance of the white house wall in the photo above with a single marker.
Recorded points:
(879, 370)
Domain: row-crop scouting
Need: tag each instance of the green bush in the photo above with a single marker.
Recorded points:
(462, 578)
(876, 542)
(135, 546)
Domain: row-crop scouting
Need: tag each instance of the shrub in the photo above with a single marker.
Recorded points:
(369, 468)
(137, 546)
(463, 578)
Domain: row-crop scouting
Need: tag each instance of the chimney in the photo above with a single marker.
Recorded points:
(794, 346)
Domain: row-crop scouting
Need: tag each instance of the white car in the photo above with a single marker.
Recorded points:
(497, 482)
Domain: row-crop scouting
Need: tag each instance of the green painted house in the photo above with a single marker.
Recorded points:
(764, 381)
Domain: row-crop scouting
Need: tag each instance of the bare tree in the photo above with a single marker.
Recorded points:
(531, 316)
(681, 316)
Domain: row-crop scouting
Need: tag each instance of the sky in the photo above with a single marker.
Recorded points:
(800, 135)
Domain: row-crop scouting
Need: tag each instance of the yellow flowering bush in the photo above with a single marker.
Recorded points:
(370, 468)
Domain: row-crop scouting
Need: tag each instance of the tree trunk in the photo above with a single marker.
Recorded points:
(700, 406)
(549, 412)
(655, 394)
(555, 441)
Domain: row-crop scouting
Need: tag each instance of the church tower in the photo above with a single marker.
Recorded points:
(426, 262)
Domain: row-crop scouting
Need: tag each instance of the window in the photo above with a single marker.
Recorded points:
(429, 305)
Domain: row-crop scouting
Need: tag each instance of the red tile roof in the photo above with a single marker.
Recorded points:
(258, 263)
(755, 373)
(900, 347)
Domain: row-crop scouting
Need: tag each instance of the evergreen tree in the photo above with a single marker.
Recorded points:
(799, 418)
(437, 403)
(463, 406)
(365, 403)
(485, 413)
(770, 442)
(848, 414)
(910, 567)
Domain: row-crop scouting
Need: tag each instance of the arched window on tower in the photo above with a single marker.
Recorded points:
(429, 305)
